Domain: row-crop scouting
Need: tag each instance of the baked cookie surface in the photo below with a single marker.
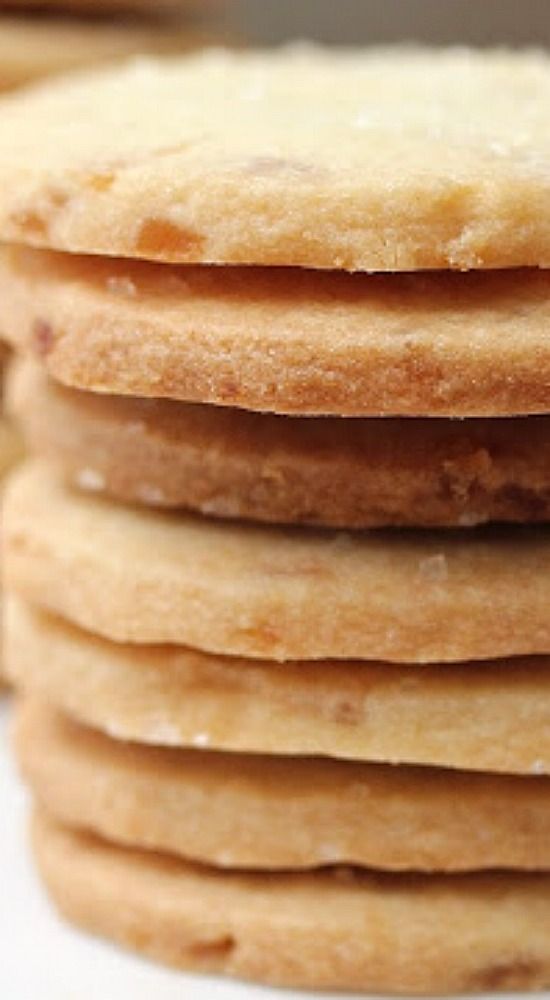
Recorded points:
(139, 575)
(462, 716)
(264, 812)
(335, 472)
(285, 340)
(391, 159)
(320, 930)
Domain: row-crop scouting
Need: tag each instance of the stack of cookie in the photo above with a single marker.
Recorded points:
(39, 38)
(251, 569)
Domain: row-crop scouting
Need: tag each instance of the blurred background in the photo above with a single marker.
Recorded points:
(479, 22)
(41, 37)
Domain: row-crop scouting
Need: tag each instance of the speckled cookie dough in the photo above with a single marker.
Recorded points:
(285, 340)
(334, 929)
(140, 575)
(225, 462)
(462, 716)
(300, 812)
(304, 157)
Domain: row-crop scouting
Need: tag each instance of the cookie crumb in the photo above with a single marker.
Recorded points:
(164, 733)
(90, 479)
(200, 739)
(329, 853)
(221, 507)
(123, 286)
(150, 494)
(469, 519)
(434, 569)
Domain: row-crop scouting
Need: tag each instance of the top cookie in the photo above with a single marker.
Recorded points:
(393, 159)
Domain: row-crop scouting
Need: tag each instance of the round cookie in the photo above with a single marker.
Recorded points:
(462, 716)
(300, 812)
(340, 473)
(321, 930)
(35, 47)
(386, 159)
(147, 576)
(284, 340)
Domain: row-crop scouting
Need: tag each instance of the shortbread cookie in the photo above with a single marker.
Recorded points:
(391, 159)
(239, 811)
(145, 576)
(33, 47)
(286, 340)
(340, 929)
(456, 716)
(336, 472)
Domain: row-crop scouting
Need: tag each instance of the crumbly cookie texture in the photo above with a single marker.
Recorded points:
(462, 716)
(335, 929)
(336, 472)
(300, 812)
(31, 48)
(142, 575)
(285, 340)
(391, 159)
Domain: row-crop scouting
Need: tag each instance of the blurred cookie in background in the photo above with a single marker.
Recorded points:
(35, 47)
(44, 38)
(47, 37)
(154, 8)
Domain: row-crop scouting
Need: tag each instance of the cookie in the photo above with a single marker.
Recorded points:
(147, 576)
(389, 160)
(299, 812)
(462, 716)
(285, 340)
(341, 930)
(31, 48)
(335, 472)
